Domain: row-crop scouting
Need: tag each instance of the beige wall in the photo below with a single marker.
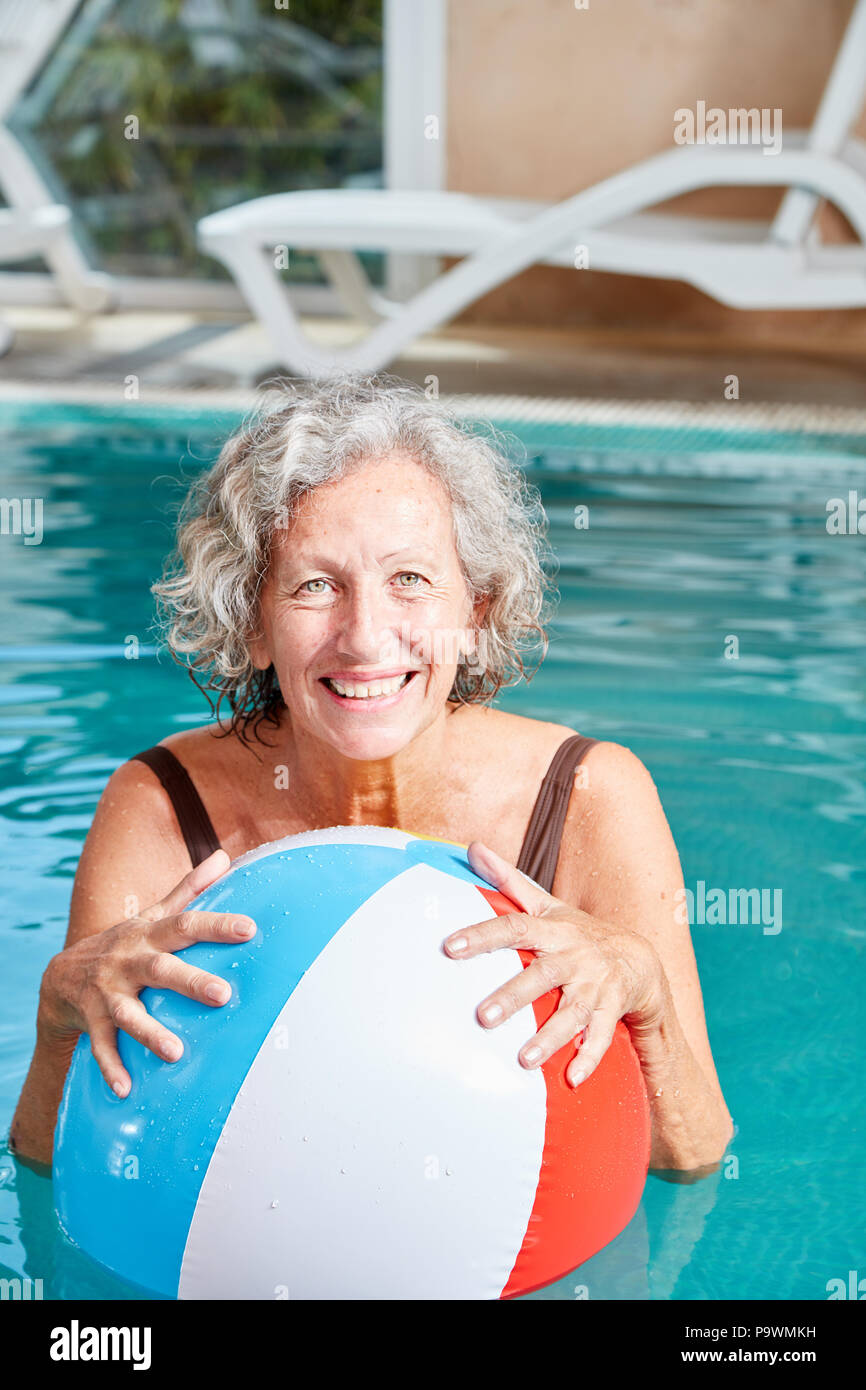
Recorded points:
(544, 100)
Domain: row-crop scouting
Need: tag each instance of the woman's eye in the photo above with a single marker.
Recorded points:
(410, 575)
(308, 582)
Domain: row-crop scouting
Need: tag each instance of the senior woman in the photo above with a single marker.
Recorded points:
(357, 576)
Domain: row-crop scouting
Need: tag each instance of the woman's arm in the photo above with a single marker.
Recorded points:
(628, 873)
(132, 857)
(621, 954)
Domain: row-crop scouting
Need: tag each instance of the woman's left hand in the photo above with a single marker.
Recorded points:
(605, 972)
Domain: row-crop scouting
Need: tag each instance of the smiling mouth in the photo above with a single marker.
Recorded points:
(368, 690)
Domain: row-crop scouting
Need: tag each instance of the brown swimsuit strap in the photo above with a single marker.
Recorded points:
(195, 823)
(538, 856)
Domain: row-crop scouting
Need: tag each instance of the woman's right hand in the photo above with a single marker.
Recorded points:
(93, 986)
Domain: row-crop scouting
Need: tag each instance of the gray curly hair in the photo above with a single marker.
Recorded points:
(299, 437)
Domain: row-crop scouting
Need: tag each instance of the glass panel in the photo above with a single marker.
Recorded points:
(149, 116)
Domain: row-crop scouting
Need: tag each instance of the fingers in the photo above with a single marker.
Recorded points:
(175, 932)
(103, 1045)
(519, 930)
(168, 972)
(193, 883)
(161, 971)
(576, 1015)
(537, 979)
(507, 878)
(564, 1025)
(131, 1015)
(571, 1016)
(599, 1036)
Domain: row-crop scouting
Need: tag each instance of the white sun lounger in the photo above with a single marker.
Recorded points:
(34, 224)
(746, 264)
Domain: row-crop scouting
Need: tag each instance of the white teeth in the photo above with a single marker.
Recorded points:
(365, 692)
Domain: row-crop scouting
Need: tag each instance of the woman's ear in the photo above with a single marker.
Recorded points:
(259, 650)
(480, 609)
(475, 653)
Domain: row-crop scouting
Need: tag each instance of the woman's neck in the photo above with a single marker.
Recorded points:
(329, 788)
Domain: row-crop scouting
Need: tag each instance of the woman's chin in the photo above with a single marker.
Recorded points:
(383, 739)
(366, 737)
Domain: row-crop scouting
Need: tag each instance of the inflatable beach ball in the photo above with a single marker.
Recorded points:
(344, 1127)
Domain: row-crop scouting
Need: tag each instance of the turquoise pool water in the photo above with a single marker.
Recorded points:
(693, 539)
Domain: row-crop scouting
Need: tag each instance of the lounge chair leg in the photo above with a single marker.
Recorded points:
(84, 288)
(345, 272)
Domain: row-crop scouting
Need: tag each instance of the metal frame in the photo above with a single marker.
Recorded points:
(36, 223)
(415, 89)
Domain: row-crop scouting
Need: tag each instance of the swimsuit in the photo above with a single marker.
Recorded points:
(538, 855)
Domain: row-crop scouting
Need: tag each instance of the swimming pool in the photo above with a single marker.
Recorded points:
(690, 539)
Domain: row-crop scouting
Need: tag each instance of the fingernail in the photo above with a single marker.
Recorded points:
(244, 931)
(172, 1051)
(457, 945)
(119, 1090)
(491, 1013)
(531, 1055)
(217, 993)
(578, 1077)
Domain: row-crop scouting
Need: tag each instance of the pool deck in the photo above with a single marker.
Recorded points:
(60, 353)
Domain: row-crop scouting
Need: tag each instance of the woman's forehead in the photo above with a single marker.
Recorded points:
(394, 490)
(381, 512)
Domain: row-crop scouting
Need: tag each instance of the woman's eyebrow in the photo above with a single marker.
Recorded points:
(419, 553)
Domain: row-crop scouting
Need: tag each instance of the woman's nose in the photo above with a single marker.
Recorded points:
(370, 632)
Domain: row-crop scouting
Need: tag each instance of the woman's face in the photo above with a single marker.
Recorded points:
(365, 608)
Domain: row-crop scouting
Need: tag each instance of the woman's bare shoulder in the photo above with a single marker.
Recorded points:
(616, 771)
(615, 820)
(133, 852)
(613, 787)
(135, 833)
(204, 741)
(492, 730)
